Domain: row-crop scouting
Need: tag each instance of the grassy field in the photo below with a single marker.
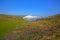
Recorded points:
(15, 28)
(8, 22)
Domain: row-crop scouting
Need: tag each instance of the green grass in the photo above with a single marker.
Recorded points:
(8, 22)
(5, 26)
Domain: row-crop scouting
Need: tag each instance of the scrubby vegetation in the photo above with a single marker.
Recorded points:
(42, 29)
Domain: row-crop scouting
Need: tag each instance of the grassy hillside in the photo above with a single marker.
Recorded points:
(42, 29)
(8, 22)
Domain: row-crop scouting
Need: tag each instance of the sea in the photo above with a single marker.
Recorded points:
(31, 19)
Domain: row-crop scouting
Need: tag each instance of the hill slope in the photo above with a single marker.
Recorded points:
(42, 29)
(8, 22)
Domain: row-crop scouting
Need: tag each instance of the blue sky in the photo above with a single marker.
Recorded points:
(30, 7)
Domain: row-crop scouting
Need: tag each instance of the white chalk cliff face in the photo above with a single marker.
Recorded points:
(30, 18)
